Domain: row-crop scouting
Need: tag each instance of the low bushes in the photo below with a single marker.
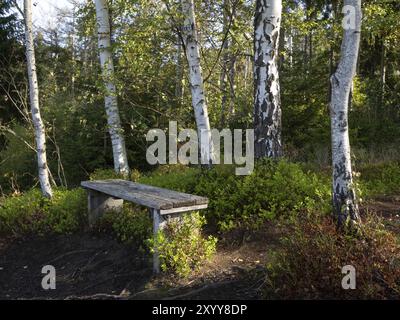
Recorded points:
(182, 246)
(380, 179)
(132, 225)
(31, 213)
(103, 174)
(273, 190)
(175, 177)
(313, 253)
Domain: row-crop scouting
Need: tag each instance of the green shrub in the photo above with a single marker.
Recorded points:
(23, 213)
(31, 213)
(380, 179)
(313, 253)
(273, 190)
(131, 225)
(175, 177)
(181, 245)
(104, 174)
(17, 161)
(67, 211)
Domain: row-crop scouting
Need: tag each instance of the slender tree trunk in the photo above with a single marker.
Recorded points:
(310, 49)
(267, 102)
(344, 198)
(225, 62)
(190, 38)
(111, 106)
(232, 86)
(40, 136)
(311, 17)
(73, 55)
(383, 73)
(223, 87)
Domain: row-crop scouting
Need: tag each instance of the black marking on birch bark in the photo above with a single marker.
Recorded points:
(267, 122)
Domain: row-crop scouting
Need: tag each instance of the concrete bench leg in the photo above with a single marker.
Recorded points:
(100, 203)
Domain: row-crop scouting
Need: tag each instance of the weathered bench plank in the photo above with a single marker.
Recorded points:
(149, 196)
(164, 204)
(121, 192)
(179, 198)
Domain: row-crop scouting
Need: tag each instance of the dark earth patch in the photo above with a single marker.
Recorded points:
(84, 265)
(99, 267)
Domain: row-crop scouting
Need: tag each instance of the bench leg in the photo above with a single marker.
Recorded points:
(158, 224)
(98, 203)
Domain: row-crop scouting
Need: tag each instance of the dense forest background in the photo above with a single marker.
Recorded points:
(151, 77)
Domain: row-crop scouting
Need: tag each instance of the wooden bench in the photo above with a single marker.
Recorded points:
(164, 204)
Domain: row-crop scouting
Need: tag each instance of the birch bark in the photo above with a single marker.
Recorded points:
(344, 197)
(40, 136)
(190, 39)
(267, 102)
(111, 105)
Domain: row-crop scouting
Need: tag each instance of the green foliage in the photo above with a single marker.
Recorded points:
(148, 57)
(31, 213)
(381, 179)
(104, 174)
(274, 189)
(22, 214)
(132, 225)
(309, 262)
(17, 160)
(176, 177)
(67, 211)
(181, 245)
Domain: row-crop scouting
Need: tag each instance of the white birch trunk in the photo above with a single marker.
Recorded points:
(189, 34)
(344, 197)
(40, 136)
(111, 106)
(267, 102)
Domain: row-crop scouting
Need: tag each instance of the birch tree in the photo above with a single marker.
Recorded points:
(111, 105)
(40, 135)
(190, 39)
(267, 102)
(344, 197)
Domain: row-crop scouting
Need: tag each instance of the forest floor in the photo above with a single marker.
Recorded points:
(95, 266)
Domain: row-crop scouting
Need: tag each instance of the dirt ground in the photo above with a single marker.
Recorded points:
(96, 266)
